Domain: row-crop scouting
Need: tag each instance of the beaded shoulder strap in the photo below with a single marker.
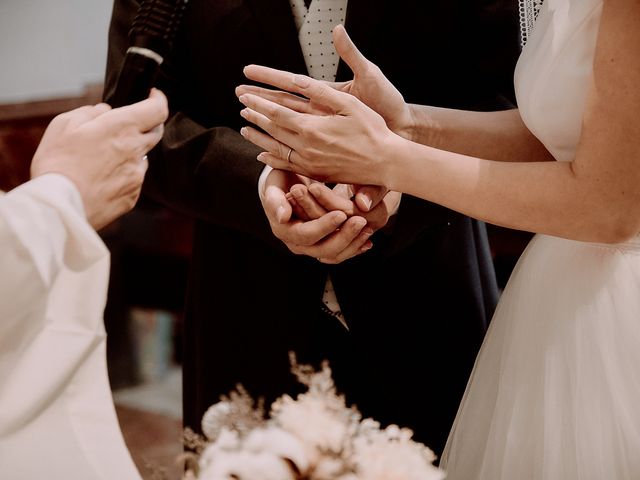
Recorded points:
(529, 10)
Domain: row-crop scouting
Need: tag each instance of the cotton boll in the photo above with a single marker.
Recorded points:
(244, 465)
(280, 443)
(381, 459)
(214, 419)
(319, 428)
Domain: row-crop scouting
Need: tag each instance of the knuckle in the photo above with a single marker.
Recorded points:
(307, 128)
(275, 114)
(372, 68)
(281, 150)
(158, 132)
(129, 202)
(294, 248)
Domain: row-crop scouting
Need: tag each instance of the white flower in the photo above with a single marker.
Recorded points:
(278, 442)
(328, 468)
(226, 442)
(243, 465)
(214, 419)
(319, 428)
(392, 455)
(314, 436)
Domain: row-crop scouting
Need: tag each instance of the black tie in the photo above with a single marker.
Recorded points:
(307, 3)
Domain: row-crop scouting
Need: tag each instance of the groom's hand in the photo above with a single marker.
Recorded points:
(375, 204)
(329, 236)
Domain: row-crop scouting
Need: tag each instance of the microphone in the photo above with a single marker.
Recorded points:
(151, 39)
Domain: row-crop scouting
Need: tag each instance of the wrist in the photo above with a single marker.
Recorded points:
(422, 126)
(392, 151)
(407, 125)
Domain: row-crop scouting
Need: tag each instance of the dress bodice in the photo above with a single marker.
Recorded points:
(554, 72)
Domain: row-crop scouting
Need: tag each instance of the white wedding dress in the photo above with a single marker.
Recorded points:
(555, 392)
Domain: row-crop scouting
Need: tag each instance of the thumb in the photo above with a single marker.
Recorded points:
(348, 51)
(367, 197)
(83, 114)
(276, 205)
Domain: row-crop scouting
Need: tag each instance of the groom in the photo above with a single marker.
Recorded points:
(416, 305)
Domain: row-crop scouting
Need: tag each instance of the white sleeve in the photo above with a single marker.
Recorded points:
(54, 388)
(262, 180)
(35, 221)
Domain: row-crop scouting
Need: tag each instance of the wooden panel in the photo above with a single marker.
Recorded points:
(21, 128)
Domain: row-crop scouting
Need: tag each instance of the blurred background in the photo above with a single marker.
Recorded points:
(53, 58)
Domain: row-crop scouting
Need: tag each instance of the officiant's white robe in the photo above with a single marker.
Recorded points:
(57, 419)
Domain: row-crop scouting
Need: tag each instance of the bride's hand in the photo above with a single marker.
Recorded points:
(346, 145)
(371, 87)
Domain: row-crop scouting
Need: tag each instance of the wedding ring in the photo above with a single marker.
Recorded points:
(289, 155)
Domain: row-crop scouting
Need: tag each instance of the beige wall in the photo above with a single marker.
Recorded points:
(51, 48)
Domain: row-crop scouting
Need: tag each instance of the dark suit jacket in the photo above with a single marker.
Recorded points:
(418, 303)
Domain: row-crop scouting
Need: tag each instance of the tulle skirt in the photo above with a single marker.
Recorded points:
(555, 392)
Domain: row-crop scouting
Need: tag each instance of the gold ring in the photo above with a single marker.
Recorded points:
(289, 155)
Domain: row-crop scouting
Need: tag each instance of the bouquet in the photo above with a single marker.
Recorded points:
(314, 436)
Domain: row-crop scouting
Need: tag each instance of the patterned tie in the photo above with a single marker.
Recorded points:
(315, 36)
(315, 20)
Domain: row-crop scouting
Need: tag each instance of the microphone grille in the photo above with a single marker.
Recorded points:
(156, 23)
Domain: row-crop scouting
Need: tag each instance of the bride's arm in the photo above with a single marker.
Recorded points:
(595, 197)
(500, 135)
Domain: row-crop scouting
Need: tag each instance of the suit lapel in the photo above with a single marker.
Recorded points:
(363, 22)
(278, 28)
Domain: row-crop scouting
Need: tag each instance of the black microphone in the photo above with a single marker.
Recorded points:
(151, 39)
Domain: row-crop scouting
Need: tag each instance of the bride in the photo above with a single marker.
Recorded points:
(555, 392)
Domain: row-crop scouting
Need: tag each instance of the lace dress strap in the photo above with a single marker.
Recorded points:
(529, 10)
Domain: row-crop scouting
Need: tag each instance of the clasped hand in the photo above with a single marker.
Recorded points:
(307, 216)
(315, 220)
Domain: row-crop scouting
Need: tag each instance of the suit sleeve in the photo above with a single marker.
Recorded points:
(208, 173)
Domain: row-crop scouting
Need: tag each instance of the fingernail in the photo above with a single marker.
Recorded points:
(242, 98)
(366, 246)
(366, 201)
(243, 113)
(297, 193)
(368, 231)
(262, 157)
(244, 132)
(301, 81)
(339, 218)
(360, 223)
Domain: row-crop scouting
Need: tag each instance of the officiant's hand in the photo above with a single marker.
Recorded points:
(103, 152)
(328, 235)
